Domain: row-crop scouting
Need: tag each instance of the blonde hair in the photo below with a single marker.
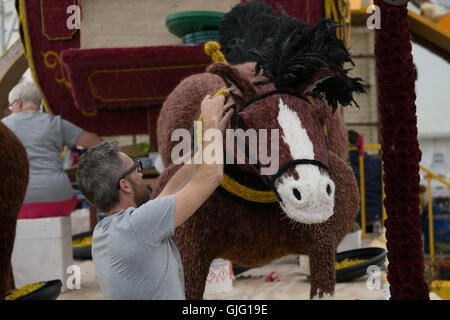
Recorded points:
(27, 92)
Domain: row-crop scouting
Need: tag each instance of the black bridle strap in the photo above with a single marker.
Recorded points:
(265, 179)
(271, 93)
(236, 118)
(293, 163)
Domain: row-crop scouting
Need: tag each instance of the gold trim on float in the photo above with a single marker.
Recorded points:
(29, 52)
(74, 32)
(91, 86)
(53, 65)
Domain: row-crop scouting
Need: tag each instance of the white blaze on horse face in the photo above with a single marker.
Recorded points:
(310, 199)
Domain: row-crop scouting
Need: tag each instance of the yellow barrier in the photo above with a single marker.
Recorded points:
(383, 195)
(363, 196)
(363, 191)
(430, 207)
(430, 219)
(435, 176)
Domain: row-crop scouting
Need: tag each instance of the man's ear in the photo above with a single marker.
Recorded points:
(240, 88)
(19, 103)
(125, 185)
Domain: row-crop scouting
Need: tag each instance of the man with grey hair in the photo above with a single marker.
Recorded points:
(44, 136)
(24, 96)
(132, 249)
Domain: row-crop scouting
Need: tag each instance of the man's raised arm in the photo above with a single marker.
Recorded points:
(208, 176)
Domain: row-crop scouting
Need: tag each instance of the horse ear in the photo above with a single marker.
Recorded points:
(333, 85)
(240, 88)
(323, 74)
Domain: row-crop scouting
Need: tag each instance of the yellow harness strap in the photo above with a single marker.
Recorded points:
(229, 184)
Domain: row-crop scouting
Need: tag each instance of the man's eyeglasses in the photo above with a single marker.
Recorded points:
(137, 166)
(10, 106)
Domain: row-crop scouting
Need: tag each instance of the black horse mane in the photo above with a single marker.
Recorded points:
(287, 51)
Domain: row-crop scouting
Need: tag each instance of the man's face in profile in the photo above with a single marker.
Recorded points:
(140, 192)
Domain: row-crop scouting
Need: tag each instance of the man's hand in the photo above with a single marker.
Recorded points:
(208, 176)
(215, 114)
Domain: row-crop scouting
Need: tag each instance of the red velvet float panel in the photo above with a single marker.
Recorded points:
(46, 36)
(308, 11)
(130, 77)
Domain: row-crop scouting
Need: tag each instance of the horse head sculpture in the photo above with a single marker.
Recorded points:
(286, 84)
(301, 182)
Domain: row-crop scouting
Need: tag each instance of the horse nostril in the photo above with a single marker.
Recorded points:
(328, 189)
(297, 194)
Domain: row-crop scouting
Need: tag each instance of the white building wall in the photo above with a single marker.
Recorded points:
(436, 158)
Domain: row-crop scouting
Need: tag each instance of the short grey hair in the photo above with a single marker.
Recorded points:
(99, 170)
(27, 92)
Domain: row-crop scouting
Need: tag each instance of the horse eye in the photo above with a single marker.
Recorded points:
(297, 194)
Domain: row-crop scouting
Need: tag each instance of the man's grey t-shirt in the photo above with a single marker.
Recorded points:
(134, 256)
(44, 137)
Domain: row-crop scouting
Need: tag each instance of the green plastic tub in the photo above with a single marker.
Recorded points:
(185, 22)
